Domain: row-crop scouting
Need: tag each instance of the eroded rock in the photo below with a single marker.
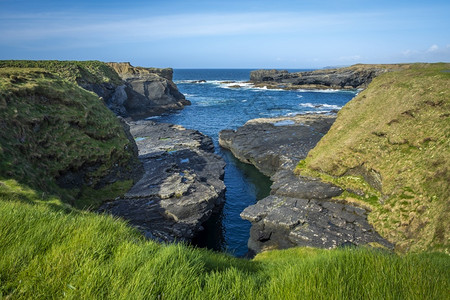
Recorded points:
(353, 77)
(181, 186)
(299, 211)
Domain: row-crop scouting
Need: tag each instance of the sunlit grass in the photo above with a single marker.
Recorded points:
(52, 251)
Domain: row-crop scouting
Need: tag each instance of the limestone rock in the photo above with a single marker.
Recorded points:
(181, 186)
(149, 91)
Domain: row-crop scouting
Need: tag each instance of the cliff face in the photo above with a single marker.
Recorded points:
(145, 92)
(357, 76)
(128, 91)
(389, 148)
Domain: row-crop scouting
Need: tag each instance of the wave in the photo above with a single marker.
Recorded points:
(320, 106)
(328, 91)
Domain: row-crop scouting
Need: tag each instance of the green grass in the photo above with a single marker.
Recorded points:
(55, 252)
(75, 71)
(391, 144)
(50, 126)
(51, 249)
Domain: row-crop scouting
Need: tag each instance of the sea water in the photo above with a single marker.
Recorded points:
(222, 99)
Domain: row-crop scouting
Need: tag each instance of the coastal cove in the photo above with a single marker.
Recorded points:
(223, 99)
(103, 193)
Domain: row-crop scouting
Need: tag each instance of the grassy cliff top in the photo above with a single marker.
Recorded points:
(50, 127)
(126, 70)
(390, 148)
(74, 71)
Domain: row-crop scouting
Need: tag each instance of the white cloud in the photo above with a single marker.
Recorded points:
(434, 53)
(125, 28)
(433, 48)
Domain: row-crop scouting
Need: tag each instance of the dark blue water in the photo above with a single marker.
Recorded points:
(217, 105)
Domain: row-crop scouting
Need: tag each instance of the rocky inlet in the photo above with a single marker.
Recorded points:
(299, 211)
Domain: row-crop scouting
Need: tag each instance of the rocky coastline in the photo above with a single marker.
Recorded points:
(181, 186)
(299, 211)
(353, 77)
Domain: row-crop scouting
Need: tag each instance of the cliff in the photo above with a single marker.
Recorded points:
(389, 149)
(58, 138)
(354, 77)
(128, 91)
(146, 91)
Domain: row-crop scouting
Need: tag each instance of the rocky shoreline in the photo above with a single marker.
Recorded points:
(181, 186)
(353, 77)
(299, 211)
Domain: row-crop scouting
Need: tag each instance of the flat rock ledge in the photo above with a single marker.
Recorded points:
(182, 183)
(299, 211)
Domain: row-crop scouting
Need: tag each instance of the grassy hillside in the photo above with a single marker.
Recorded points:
(390, 149)
(53, 129)
(48, 252)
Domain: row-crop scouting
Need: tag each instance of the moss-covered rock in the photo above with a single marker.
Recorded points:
(390, 148)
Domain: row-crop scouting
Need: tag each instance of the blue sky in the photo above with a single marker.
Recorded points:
(227, 34)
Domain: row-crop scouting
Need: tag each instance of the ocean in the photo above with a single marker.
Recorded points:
(222, 99)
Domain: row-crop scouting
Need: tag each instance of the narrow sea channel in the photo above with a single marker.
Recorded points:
(218, 103)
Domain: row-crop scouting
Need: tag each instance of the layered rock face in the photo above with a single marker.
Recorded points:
(181, 186)
(354, 77)
(145, 92)
(299, 211)
(128, 91)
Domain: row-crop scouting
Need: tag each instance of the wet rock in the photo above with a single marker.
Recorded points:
(300, 222)
(299, 211)
(182, 183)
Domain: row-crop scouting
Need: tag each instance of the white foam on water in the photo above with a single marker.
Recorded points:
(320, 106)
(152, 118)
(293, 114)
(328, 91)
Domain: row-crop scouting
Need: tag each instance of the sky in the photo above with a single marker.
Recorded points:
(227, 34)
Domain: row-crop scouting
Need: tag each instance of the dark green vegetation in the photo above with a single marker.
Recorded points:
(54, 131)
(51, 249)
(390, 149)
(51, 253)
